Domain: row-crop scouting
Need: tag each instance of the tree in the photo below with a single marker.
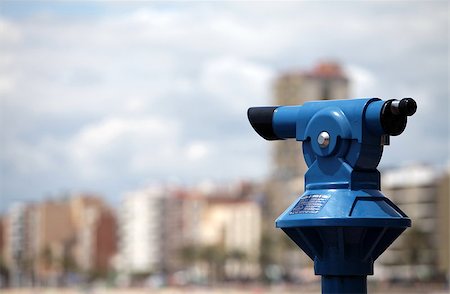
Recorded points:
(417, 243)
(238, 257)
(214, 256)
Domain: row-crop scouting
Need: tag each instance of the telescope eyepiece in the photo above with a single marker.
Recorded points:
(261, 119)
(405, 107)
(393, 115)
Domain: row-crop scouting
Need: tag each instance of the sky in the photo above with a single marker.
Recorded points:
(108, 97)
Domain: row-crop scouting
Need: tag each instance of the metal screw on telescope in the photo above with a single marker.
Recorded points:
(323, 139)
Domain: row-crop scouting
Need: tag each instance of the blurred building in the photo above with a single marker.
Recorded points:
(47, 241)
(444, 224)
(18, 244)
(422, 251)
(234, 225)
(183, 210)
(4, 275)
(54, 239)
(325, 81)
(2, 238)
(141, 230)
(105, 244)
(170, 230)
(155, 225)
(96, 234)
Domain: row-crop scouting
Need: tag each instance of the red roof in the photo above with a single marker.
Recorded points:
(328, 69)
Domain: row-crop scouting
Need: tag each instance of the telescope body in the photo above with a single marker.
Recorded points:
(342, 221)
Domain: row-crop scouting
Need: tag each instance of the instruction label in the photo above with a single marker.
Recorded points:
(310, 204)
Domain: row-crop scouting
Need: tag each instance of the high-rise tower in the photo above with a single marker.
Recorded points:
(325, 81)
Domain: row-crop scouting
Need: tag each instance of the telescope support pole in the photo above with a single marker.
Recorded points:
(344, 284)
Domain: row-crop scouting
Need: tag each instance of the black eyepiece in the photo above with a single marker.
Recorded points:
(394, 113)
(407, 106)
(261, 120)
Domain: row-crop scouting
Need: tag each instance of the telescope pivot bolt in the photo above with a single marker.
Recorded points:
(323, 139)
(342, 221)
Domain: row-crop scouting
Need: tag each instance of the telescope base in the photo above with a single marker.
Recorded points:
(344, 284)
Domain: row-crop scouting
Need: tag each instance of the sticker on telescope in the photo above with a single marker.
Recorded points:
(310, 204)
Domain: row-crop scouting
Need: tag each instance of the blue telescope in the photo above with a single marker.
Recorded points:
(342, 221)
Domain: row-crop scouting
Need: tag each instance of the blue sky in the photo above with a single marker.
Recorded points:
(108, 97)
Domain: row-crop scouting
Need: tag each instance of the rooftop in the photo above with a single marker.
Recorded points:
(325, 69)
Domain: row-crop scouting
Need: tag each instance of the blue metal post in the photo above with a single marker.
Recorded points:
(342, 221)
(344, 284)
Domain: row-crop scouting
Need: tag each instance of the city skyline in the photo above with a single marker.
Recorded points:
(110, 97)
(157, 231)
(190, 236)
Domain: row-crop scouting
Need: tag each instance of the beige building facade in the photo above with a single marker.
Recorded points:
(45, 241)
(422, 251)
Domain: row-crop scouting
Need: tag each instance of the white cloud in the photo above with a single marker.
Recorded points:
(132, 144)
(25, 159)
(7, 84)
(235, 83)
(197, 151)
(9, 32)
(146, 92)
(364, 82)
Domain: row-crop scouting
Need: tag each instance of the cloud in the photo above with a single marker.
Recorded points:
(364, 82)
(108, 100)
(9, 33)
(236, 83)
(197, 151)
(133, 144)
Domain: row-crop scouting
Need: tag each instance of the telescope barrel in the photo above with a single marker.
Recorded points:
(280, 122)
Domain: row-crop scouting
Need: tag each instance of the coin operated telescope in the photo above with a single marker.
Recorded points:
(342, 221)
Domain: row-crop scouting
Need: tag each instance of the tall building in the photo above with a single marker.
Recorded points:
(79, 203)
(45, 241)
(3, 241)
(40, 238)
(325, 81)
(55, 238)
(181, 221)
(96, 237)
(444, 224)
(167, 230)
(18, 253)
(2, 237)
(141, 230)
(105, 241)
(156, 224)
(422, 251)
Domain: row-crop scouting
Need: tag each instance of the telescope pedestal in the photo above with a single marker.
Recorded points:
(344, 284)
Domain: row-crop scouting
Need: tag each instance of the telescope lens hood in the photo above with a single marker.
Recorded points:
(261, 120)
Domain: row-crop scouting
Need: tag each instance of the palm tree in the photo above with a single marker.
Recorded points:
(189, 255)
(238, 257)
(417, 242)
(214, 256)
